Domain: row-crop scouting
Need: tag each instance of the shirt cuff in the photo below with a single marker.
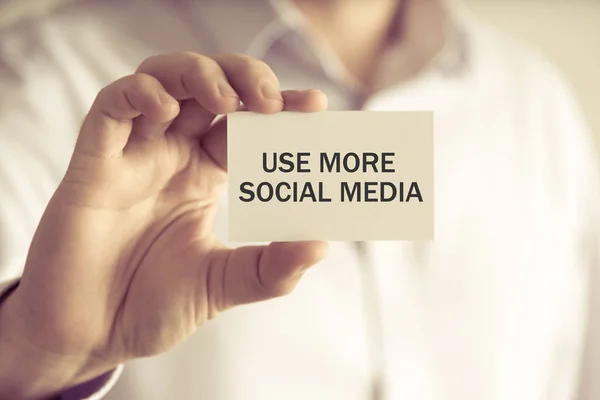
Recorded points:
(7, 287)
(95, 389)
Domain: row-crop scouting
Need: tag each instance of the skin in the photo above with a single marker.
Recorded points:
(360, 33)
(356, 30)
(124, 263)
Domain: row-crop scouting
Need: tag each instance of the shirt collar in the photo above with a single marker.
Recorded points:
(238, 26)
(257, 25)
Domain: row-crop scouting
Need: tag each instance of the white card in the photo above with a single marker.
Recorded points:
(337, 176)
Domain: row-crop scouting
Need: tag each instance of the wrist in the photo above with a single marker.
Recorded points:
(28, 372)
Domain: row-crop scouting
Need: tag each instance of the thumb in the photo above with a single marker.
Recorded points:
(257, 273)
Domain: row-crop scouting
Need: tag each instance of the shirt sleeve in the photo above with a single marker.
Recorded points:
(95, 389)
(581, 152)
(589, 384)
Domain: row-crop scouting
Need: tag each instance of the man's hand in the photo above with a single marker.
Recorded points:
(124, 263)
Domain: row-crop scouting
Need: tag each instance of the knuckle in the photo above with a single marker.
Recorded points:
(140, 84)
(188, 54)
(250, 65)
(104, 92)
(145, 65)
(108, 95)
(120, 93)
(201, 66)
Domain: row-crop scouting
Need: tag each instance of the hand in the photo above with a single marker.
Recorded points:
(124, 262)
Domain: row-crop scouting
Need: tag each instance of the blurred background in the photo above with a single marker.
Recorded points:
(566, 31)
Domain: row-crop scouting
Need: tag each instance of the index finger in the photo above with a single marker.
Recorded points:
(218, 83)
(193, 76)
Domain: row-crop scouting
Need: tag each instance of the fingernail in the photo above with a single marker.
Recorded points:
(226, 90)
(270, 91)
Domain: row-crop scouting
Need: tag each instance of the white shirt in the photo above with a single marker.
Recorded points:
(495, 308)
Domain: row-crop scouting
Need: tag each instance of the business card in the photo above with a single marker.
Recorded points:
(335, 176)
